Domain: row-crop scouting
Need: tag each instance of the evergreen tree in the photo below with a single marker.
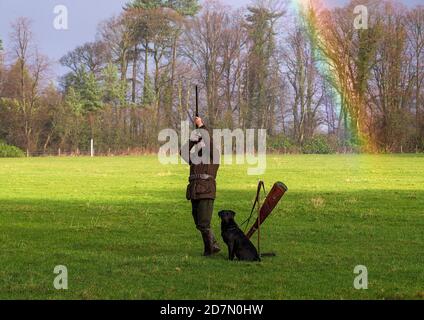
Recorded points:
(113, 89)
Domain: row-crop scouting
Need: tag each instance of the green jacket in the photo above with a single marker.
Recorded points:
(202, 179)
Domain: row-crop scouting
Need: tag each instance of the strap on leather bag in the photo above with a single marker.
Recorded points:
(261, 185)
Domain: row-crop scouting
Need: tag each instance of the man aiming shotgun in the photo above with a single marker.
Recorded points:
(201, 189)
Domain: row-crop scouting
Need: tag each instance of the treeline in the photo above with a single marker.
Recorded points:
(310, 78)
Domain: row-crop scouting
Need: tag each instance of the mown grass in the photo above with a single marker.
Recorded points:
(124, 230)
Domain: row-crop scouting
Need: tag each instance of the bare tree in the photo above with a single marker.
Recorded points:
(91, 56)
(204, 47)
(115, 33)
(32, 68)
(415, 33)
(305, 81)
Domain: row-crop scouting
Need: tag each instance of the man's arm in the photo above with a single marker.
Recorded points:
(192, 142)
(201, 125)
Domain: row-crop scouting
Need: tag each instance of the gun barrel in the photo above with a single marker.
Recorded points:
(197, 101)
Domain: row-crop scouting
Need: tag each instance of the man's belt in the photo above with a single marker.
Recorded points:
(200, 177)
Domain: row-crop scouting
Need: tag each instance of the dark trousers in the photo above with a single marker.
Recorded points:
(202, 211)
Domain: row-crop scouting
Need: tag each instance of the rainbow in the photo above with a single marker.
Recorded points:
(314, 15)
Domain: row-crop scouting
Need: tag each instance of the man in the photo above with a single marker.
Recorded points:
(202, 185)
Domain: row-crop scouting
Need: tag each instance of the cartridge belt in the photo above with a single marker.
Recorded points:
(200, 177)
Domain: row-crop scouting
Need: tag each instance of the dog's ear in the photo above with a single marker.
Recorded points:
(221, 213)
(232, 213)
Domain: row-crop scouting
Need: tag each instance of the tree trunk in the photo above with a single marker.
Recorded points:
(134, 75)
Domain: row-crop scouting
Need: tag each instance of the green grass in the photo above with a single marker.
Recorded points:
(124, 230)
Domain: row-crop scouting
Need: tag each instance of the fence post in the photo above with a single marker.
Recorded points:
(58, 152)
(92, 148)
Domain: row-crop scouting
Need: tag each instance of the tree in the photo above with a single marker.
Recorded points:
(112, 88)
(204, 47)
(351, 54)
(319, 76)
(391, 84)
(145, 22)
(115, 33)
(305, 81)
(84, 95)
(92, 57)
(157, 26)
(26, 80)
(2, 68)
(260, 24)
(415, 35)
(234, 47)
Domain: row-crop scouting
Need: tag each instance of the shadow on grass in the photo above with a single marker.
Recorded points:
(318, 238)
(169, 220)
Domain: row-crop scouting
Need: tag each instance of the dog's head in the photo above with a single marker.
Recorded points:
(226, 215)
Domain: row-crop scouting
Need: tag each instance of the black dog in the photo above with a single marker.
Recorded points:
(238, 244)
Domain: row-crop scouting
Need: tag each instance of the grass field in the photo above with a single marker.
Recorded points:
(124, 230)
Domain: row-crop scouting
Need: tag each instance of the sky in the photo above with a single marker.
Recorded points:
(83, 19)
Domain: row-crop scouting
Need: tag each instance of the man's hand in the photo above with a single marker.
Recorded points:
(199, 122)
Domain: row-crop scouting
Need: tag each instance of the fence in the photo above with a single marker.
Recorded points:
(91, 152)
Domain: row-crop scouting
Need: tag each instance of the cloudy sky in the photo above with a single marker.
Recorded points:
(84, 16)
